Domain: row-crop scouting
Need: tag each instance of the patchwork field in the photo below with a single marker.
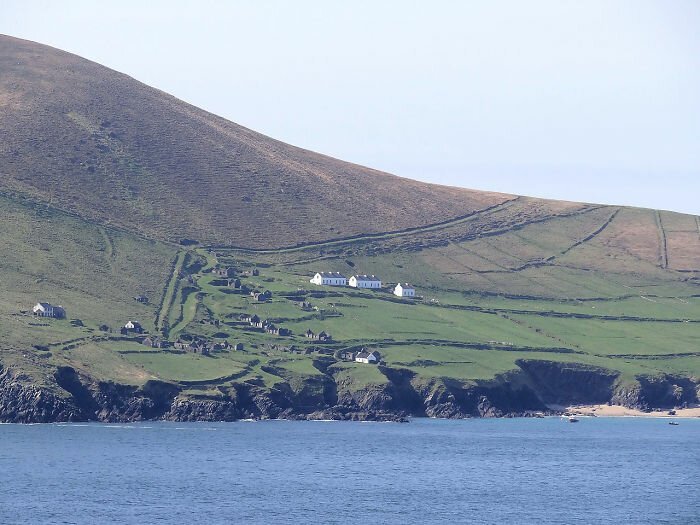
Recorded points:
(481, 307)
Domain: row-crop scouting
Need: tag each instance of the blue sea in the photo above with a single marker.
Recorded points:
(612, 470)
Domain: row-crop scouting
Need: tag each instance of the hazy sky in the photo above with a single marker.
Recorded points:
(595, 100)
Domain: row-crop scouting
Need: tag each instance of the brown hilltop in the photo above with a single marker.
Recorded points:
(98, 143)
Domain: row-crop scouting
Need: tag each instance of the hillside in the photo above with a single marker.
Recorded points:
(100, 144)
(522, 304)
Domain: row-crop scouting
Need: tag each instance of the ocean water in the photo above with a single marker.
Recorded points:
(539, 471)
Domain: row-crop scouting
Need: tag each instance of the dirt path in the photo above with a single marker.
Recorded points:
(110, 252)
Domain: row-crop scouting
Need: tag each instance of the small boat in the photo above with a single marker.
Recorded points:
(569, 418)
(674, 423)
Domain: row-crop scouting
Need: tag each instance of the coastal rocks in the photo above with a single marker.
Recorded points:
(24, 402)
(117, 402)
(569, 383)
(65, 394)
(187, 409)
(372, 398)
(629, 395)
(307, 393)
(662, 391)
(67, 378)
(449, 398)
(339, 414)
(113, 402)
(439, 399)
(667, 391)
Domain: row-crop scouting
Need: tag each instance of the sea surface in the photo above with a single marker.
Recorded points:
(612, 470)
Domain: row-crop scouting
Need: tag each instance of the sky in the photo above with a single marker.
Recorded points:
(595, 101)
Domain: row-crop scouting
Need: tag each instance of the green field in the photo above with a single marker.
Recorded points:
(481, 307)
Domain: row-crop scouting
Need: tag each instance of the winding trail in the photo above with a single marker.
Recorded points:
(110, 252)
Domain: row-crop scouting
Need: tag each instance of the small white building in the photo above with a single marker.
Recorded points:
(367, 357)
(365, 281)
(48, 310)
(329, 279)
(404, 290)
(133, 326)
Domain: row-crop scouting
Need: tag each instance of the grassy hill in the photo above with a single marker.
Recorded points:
(521, 300)
(102, 145)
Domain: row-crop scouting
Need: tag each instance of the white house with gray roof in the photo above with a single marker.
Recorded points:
(365, 281)
(367, 357)
(404, 290)
(48, 310)
(329, 279)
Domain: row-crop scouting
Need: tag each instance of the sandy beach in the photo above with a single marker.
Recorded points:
(620, 411)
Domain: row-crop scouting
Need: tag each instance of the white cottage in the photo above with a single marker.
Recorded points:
(367, 357)
(365, 281)
(329, 279)
(132, 326)
(404, 290)
(48, 310)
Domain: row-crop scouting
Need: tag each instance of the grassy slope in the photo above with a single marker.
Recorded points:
(483, 304)
(501, 278)
(96, 142)
(94, 272)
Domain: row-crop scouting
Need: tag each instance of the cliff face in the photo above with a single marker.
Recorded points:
(23, 402)
(567, 383)
(75, 397)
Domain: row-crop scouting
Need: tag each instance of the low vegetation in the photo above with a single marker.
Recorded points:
(453, 330)
(135, 194)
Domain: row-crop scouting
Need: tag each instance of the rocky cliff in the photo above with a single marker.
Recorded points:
(537, 385)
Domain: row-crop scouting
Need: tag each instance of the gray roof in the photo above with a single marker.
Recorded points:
(366, 277)
(335, 275)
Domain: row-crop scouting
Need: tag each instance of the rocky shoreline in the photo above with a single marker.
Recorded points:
(69, 396)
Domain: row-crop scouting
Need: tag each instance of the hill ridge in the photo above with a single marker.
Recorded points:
(98, 143)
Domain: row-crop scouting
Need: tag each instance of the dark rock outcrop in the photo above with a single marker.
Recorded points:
(75, 397)
(22, 401)
(663, 391)
(569, 383)
(450, 398)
